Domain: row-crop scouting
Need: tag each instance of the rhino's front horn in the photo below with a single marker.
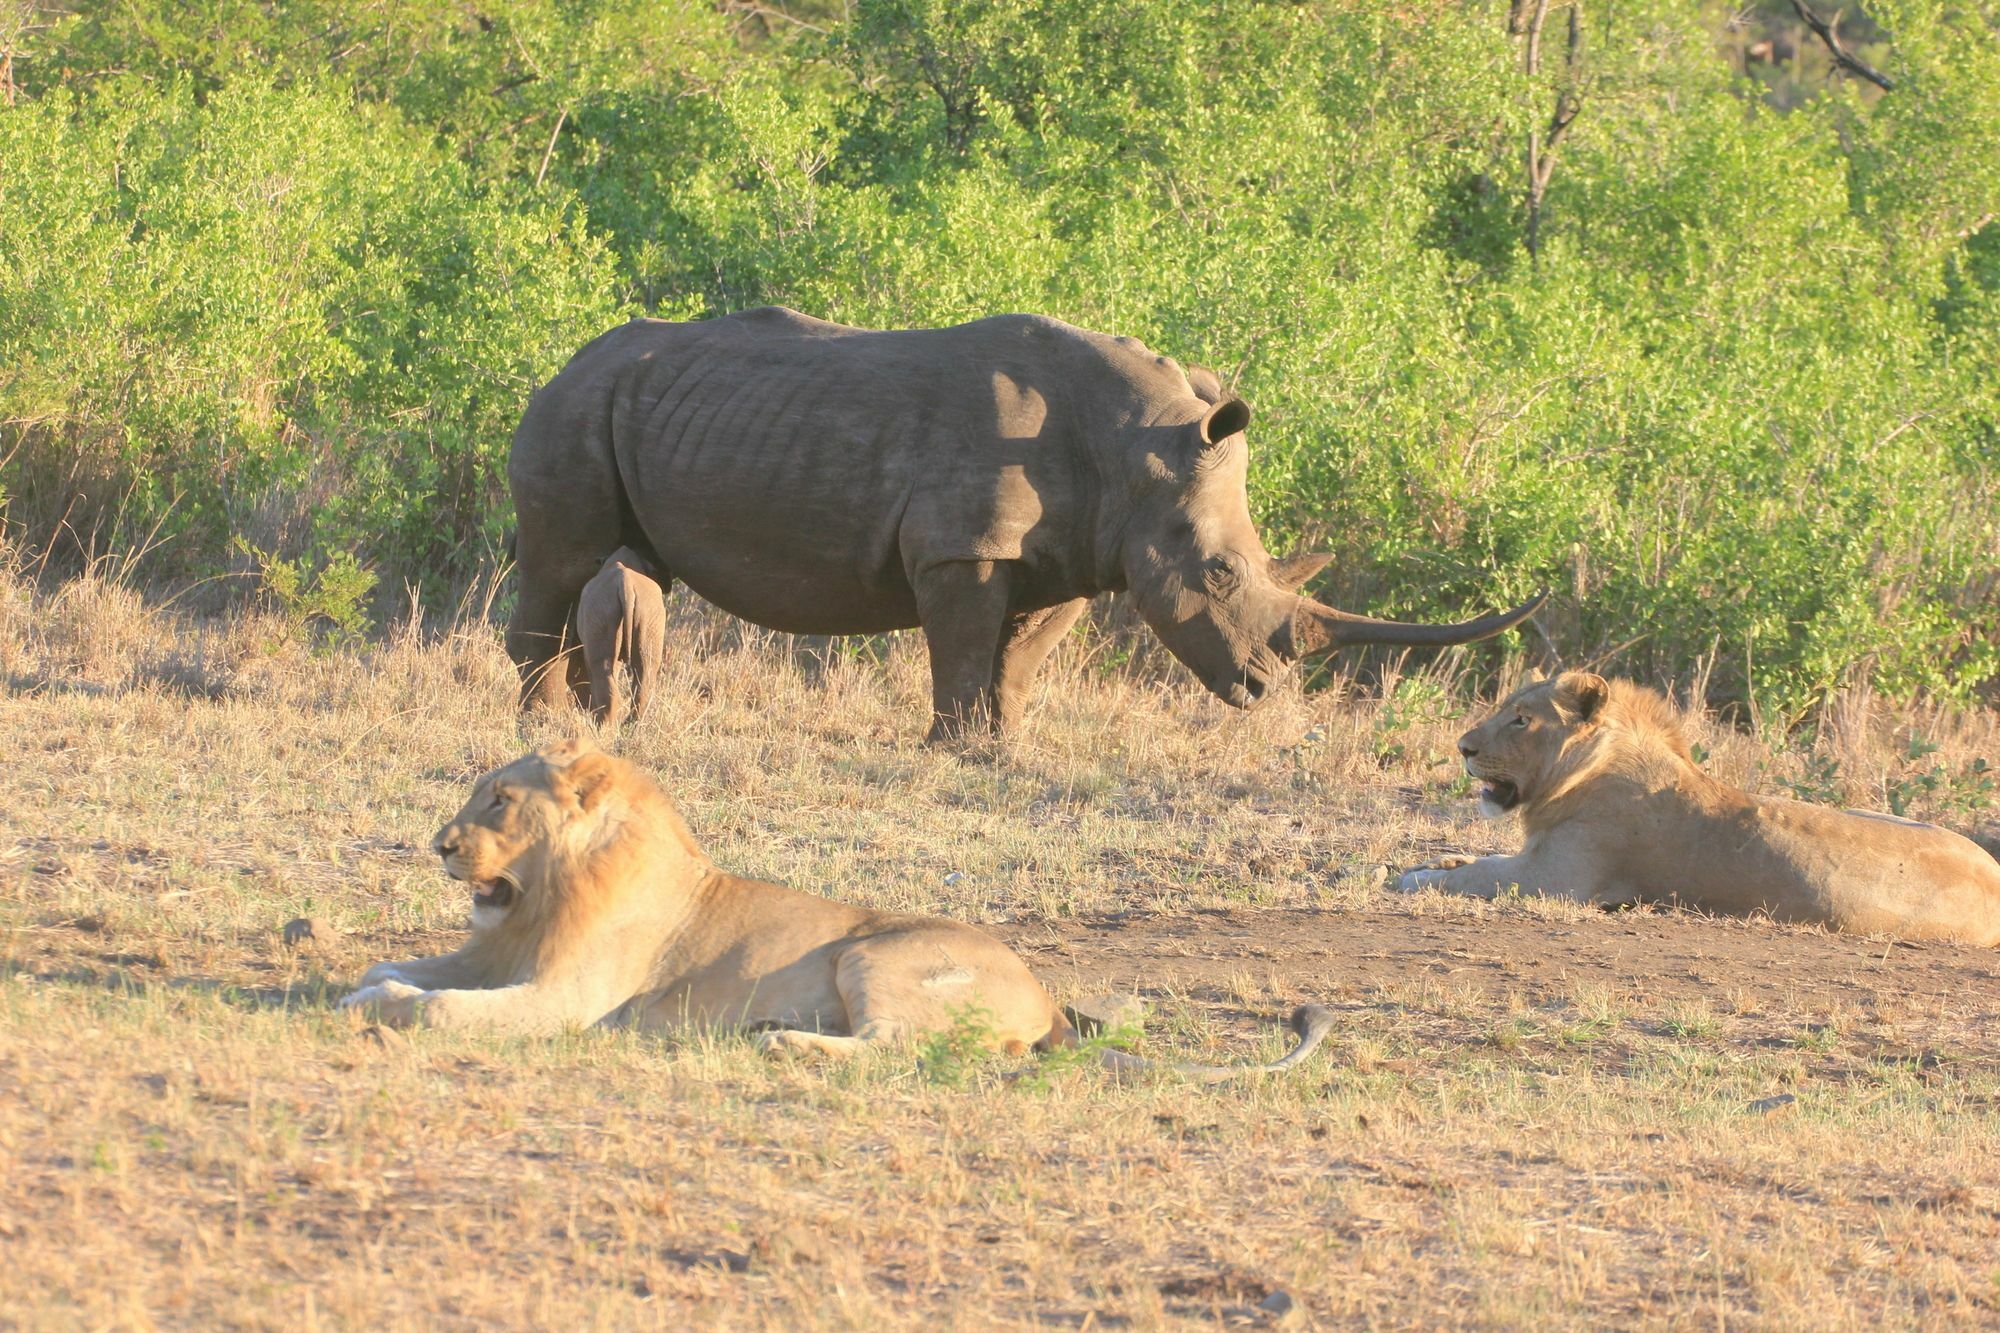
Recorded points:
(1317, 628)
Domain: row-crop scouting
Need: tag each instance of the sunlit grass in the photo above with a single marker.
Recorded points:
(193, 1136)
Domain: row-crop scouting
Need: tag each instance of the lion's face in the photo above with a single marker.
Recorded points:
(498, 843)
(1513, 752)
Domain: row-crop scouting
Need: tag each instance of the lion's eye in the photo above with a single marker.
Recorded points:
(1520, 720)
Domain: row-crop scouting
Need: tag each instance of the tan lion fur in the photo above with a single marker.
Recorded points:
(594, 904)
(1616, 811)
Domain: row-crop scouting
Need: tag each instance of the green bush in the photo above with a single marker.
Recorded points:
(272, 314)
(289, 273)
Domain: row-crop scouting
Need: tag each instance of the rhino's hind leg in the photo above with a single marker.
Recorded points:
(963, 607)
(576, 668)
(647, 645)
(604, 647)
(549, 663)
(541, 638)
(1030, 637)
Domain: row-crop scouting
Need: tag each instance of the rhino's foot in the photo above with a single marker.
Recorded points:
(977, 731)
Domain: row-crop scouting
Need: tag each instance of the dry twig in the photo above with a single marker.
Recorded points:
(1841, 55)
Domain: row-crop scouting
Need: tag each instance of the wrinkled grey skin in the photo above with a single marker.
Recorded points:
(621, 619)
(982, 481)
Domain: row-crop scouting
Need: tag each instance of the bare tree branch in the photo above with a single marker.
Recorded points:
(1842, 57)
(1534, 58)
(1569, 101)
(550, 151)
(767, 13)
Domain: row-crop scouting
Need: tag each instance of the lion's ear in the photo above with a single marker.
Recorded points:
(1580, 694)
(589, 778)
(568, 752)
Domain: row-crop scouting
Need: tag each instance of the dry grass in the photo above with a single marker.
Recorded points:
(1508, 1130)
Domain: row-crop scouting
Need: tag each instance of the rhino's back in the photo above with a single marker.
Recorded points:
(773, 459)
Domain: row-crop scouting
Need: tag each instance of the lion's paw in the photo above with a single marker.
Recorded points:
(781, 1041)
(392, 1003)
(1431, 876)
(804, 1045)
(1416, 881)
(378, 974)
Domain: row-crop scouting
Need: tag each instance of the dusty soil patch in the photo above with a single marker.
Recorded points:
(1493, 955)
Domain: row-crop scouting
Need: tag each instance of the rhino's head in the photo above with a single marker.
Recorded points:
(1207, 586)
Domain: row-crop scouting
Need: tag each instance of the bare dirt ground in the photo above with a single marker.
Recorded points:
(1648, 959)
(1529, 1113)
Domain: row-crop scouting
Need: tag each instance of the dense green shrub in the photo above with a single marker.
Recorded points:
(290, 272)
(273, 314)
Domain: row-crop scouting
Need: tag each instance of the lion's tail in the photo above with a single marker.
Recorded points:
(1061, 1036)
(1311, 1022)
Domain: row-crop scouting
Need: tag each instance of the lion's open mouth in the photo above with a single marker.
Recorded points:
(493, 893)
(1499, 794)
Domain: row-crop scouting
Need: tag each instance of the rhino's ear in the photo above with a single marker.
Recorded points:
(1225, 419)
(1207, 385)
(1291, 572)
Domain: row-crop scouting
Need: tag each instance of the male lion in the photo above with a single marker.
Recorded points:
(592, 904)
(621, 619)
(1616, 812)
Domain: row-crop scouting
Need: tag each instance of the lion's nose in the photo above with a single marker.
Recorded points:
(1466, 747)
(445, 843)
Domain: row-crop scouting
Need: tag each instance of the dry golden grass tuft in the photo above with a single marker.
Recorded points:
(1531, 1113)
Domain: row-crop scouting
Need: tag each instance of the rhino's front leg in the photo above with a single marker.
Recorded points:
(963, 607)
(1029, 639)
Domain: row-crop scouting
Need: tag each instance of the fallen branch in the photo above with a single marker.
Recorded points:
(1841, 55)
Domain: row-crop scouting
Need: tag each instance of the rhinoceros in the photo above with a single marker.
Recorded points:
(621, 620)
(982, 481)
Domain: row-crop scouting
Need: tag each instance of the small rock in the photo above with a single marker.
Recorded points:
(1091, 1015)
(955, 877)
(1766, 1105)
(1278, 1308)
(310, 932)
(792, 1244)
